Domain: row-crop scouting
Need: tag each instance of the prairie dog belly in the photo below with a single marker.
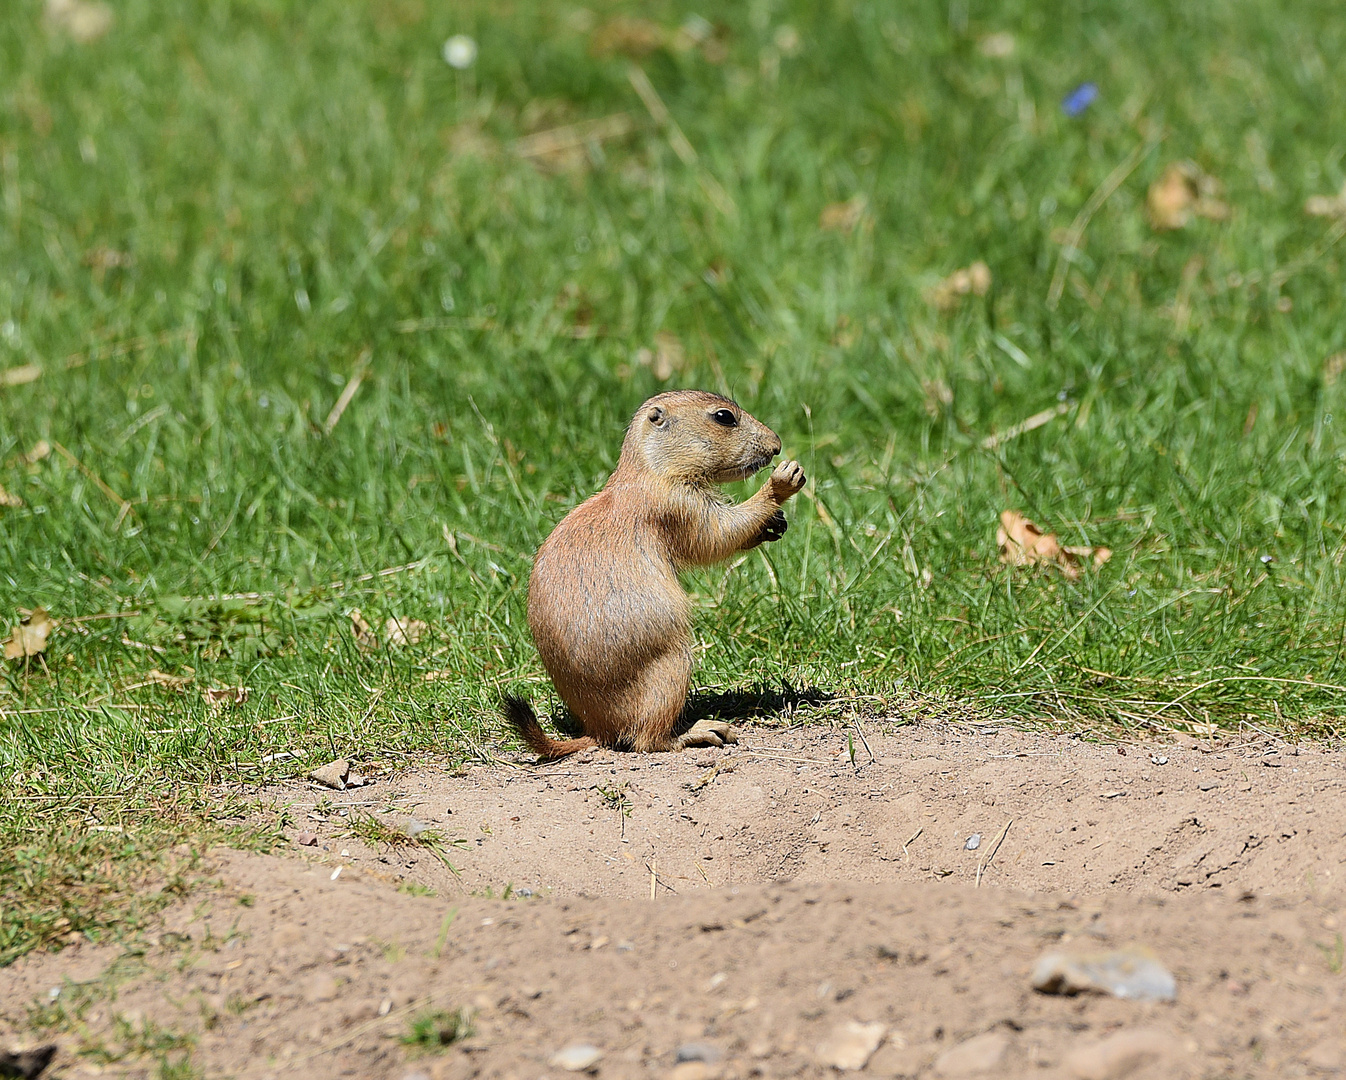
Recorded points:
(598, 612)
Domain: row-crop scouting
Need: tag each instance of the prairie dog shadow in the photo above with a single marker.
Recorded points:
(756, 702)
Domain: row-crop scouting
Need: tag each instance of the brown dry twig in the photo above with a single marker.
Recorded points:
(348, 393)
(981, 868)
(124, 506)
(640, 82)
(558, 140)
(1075, 234)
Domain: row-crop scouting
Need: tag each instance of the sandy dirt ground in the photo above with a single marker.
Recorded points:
(771, 909)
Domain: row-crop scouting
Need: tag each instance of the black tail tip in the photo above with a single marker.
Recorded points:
(517, 710)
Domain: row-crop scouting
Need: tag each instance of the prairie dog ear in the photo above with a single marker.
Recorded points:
(657, 416)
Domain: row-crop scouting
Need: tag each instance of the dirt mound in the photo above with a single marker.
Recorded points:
(1075, 816)
(1224, 868)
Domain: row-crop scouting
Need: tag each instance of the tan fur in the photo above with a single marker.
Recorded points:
(606, 609)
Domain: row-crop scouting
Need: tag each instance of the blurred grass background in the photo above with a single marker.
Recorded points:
(220, 216)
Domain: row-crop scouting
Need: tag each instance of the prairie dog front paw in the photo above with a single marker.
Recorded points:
(786, 479)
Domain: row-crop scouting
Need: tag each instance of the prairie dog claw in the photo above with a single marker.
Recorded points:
(786, 479)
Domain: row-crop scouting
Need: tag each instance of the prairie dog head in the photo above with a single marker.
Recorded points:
(693, 436)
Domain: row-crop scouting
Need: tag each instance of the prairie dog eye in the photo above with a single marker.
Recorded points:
(725, 418)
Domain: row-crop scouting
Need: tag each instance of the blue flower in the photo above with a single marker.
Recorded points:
(1079, 99)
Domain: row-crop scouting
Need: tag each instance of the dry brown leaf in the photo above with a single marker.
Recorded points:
(6, 499)
(467, 140)
(155, 677)
(220, 697)
(106, 258)
(1326, 205)
(938, 396)
(41, 449)
(998, 45)
(843, 216)
(1184, 191)
(1333, 366)
(17, 376)
(83, 20)
(564, 148)
(1022, 543)
(399, 633)
(29, 636)
(365, 638)
(628, 36)
(1099, 555)
(974, 279)
(845, 334)
(103, 259)
(667, 357)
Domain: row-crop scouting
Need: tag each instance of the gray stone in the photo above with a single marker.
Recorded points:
(333, 774)
(698, 1051)
(1125, 973)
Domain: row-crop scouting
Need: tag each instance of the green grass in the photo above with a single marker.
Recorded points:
(436, 1030)
(214, 217)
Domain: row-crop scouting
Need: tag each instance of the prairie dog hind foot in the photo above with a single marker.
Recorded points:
(707, 733)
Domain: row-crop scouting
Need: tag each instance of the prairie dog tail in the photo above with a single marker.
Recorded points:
(520, 716)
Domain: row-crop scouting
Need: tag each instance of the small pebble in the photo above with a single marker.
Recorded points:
(577, 1057)
(698, 1051)
(850, 1045)
(333, 774)
(306, 839)
(973, 841)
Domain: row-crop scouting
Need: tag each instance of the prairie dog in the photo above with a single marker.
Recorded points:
(605, 607)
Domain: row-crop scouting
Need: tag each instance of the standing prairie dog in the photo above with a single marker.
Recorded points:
(605, 606)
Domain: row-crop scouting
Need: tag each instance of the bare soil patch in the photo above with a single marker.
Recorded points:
(793, 893)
